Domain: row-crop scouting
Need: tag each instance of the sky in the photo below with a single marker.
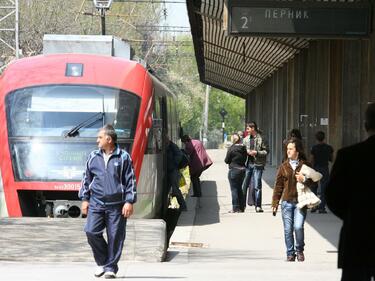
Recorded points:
(177, 15)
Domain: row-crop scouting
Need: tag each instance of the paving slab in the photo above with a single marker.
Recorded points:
(63, 240)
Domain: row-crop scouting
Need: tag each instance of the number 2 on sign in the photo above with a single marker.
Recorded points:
(245, 20)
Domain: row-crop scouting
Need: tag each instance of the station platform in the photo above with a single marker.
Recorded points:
(211, 244)
(250, 244)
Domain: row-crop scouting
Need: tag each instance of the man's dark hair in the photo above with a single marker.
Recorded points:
(110, 131)
(185, 138)
(370, 117)
(320, 135)
(252, 124)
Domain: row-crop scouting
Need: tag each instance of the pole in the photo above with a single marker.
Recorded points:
(205, 116)
(102, 17)
(17, 31)
(223, 125)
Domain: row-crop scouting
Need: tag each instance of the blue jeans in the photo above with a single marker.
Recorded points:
(235, 177)
(293, 220)
(254, 174)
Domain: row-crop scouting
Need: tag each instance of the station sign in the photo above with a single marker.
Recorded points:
(297, 19)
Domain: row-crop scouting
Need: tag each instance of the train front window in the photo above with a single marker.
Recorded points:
(54, 110)
(40, 118)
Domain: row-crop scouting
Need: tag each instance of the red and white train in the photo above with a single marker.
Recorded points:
(51, 107)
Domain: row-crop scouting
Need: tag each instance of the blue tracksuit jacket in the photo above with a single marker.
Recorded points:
(115, 184)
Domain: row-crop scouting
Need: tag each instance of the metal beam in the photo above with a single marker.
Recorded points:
(11, 8)
(241, 54)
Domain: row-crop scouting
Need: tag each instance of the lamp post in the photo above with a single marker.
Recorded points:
(205, 116)
(102, 6)
(223, 113)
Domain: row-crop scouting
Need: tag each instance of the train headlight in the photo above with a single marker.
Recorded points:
(74, 70)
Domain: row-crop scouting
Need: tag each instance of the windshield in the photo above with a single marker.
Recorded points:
(39, 119)
(54, 110)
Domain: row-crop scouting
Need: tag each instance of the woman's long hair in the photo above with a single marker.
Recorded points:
(299, 147)
(235, 138)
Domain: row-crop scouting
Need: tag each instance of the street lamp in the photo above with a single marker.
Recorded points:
(102, 6)
(223, 112)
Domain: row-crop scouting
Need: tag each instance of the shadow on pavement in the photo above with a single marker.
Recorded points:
(269, 175)
(208, 209)
(327, 225)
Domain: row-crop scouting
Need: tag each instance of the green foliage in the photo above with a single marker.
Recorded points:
(125, 20)
(235, 106)
(181, 76)
(172, 57)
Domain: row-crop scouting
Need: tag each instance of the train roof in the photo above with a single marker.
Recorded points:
(97, 70)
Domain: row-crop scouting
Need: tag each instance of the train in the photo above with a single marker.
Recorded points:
(51, 107)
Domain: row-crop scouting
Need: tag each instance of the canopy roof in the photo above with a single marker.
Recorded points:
(235, 64)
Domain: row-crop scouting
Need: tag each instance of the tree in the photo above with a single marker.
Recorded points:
(182, 77)
(171, 57)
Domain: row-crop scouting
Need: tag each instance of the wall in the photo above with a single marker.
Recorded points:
(332, 79)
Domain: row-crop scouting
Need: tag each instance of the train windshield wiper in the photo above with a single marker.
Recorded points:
(87, 123)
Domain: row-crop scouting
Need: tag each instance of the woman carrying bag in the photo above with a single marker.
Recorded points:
(288, 174)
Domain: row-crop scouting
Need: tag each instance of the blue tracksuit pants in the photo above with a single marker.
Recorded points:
(106, 253)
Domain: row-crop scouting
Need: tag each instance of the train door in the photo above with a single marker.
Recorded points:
(165, 131)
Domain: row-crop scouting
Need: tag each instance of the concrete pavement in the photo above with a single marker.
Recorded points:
(211, 244)
(251, 243)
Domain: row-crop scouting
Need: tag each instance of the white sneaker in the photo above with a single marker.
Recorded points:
(99, 271)
(109, 275)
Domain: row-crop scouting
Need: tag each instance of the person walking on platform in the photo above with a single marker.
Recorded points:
(257, 150)
(108, 192)
(285, 189)
(321, 154)
(350, 196)
(174, 157)
(236, 158)
(198, 162)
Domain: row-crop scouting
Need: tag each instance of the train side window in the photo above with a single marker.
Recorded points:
(154, 141)
(156, 113)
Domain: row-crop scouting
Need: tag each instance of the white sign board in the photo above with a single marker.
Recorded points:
(324, 121)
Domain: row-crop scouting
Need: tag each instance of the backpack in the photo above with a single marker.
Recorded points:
(184, 162)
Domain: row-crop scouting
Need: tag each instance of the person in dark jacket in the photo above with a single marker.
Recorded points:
(198, 162)
(321, 154)
(108, 192)
(174, 157)
(350, 196)
(236, 158)
(285, 190)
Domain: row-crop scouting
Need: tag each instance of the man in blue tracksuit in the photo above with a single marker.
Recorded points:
(108, 192)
